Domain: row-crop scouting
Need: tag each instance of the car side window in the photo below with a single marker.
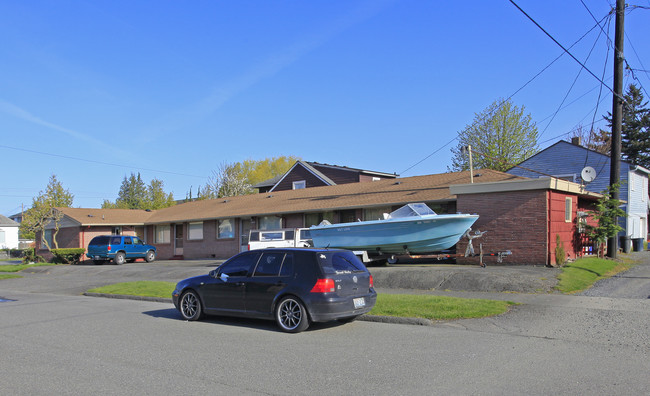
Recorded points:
(269, 264)
(116, 240)
(137, 241)
(287, 265)
(127, 240)
(239, 266)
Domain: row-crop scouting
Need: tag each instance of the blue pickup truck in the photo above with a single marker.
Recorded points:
(120, 249)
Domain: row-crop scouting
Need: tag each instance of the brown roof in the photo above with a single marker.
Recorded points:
(389, 192)
(111, 217)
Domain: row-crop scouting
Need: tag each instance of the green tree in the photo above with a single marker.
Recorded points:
(42, 212)
(237, 178)
(606, 213)
(135, 194)
(635, 128)
(500, 136)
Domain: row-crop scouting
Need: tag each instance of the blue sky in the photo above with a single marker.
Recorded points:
(93, 90)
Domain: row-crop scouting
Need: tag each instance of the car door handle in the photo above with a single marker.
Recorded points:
(239, 284)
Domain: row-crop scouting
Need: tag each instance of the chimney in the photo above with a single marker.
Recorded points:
(576, 141)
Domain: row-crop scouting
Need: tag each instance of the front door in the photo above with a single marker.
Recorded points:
(178, 239)
(245, 225)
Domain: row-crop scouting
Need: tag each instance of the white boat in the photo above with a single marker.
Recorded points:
(413, 228)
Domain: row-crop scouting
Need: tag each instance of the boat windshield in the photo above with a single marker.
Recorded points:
(412, 209)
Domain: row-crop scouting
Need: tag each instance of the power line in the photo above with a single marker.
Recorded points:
(572, 84)
(561, 46)
(99, 162)
(515, 93)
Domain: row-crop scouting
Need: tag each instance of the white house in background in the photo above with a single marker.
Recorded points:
(8, 233)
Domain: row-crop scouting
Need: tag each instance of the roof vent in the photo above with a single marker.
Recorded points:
(397, 183)
(90, 215)
(269, 196)
(226, 200)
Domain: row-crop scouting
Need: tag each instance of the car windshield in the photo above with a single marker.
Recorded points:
(100, 240)
(340, 262)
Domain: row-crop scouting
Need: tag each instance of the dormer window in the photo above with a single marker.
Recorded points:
(298, 185)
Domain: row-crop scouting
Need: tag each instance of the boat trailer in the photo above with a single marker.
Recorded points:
(469, 252)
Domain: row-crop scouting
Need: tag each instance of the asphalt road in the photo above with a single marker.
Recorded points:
(53, 341)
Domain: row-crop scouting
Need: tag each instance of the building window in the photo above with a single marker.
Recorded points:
(47, 238)
(162, 234)
(374, 178)
(225, 229)
(567, 209)
(195, 231)
(270, 222)
(375, 213)
(116, 231)
(299, 185)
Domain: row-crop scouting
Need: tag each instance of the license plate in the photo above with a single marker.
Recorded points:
(359, 302)
(96, 257)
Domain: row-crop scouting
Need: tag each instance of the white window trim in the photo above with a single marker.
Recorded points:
(299, 185)
(568, 204)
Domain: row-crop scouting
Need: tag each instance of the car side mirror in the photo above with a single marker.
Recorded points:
(213, 273)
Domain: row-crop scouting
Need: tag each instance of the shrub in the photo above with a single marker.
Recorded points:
(67, 256)
(30, 256)
(560, 253)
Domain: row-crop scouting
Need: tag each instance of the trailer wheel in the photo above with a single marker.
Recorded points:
(392, 259)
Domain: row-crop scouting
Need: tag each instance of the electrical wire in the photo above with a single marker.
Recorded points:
(100, 162)
(513, 94)
(565, 50)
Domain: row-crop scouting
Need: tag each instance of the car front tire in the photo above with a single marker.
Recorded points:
(291, 316)
(120, 258)
(190, 306)
(150, 257)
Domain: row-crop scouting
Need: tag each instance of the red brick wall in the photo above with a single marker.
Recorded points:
(515, 221)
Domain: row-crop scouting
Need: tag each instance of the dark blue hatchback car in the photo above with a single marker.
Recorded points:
(293, 286)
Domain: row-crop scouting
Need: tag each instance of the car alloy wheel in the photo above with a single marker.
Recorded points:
(190, 306)
(151, 256)
(291, 315)
(120, 258)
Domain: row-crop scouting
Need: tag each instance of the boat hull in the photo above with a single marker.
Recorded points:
(424, 234)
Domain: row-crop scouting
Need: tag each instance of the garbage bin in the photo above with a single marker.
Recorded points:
(626, 244)
(637, 243)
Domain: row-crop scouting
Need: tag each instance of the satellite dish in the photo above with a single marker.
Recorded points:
(588, 174)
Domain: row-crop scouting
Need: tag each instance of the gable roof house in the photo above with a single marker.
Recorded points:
(566, 161)
(8, 233)
(219, 228)
(305, 174)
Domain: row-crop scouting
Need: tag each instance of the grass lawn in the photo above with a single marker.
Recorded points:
(9, 276)
(141, 288)
(583, 273)
(412, 306)
(20, 267)
(436, 307)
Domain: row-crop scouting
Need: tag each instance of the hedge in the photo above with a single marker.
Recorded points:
(67, 256)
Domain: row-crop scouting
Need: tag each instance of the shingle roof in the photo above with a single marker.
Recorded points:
(388, 192)
(7, 222)
(111, 217)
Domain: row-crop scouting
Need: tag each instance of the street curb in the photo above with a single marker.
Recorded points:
(365, 318)
(128, 297)
(395, 320)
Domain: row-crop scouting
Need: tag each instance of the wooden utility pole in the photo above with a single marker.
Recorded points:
(617, 113)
